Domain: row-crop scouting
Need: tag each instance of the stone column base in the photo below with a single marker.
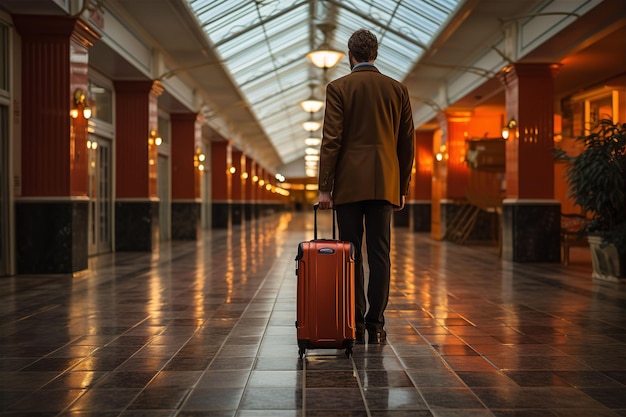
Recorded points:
(186, 220)
(531, 230)
(136, 225)
(402, 218)
(220, 215)
(51, 237)
(421, 212)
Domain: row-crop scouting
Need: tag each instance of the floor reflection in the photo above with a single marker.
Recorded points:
(206, 328)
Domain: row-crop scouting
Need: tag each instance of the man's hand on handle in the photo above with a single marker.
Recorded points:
(402, 200)
(325, 200)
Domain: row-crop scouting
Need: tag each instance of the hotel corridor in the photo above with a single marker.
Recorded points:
(206, 328)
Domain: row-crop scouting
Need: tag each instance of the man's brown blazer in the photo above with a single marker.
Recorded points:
(368, 135)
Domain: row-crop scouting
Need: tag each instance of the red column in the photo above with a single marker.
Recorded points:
(237, 191)
(136, 128)
(186, 139)
(423, 170)
(54, 65)
(530, 214)
(220, 184)
(530, 102)
(422, 182)
(254, 189)
(51, 197)
(136, 156)
(247, 186)
(450, 170)
(454, 124)
(219, 168)
(186, 176)
(261, 191)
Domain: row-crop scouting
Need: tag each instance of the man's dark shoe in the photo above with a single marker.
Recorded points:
(376, 338)
(360, 337)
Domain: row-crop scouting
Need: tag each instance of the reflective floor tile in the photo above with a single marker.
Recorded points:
(382, 379)
(334, 399)
(272, 399)
(206, 328)
(287, 379)
(208, 399)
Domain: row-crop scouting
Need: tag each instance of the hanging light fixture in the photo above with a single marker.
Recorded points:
(324, 56)
(311, 104)
(311, 125)
(312, 141)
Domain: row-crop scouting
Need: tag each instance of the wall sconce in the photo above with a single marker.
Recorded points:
(80, 105)
(232, 170)
(244, 176)
(441, 155)
(154, 138)
(255, 178)
(510, 130)
(198, 160)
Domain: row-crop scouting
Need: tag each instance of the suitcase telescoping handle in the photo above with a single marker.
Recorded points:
(315, 207)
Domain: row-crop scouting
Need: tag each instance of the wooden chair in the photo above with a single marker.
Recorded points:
(572, 226)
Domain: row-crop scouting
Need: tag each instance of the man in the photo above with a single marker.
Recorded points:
(366, 159)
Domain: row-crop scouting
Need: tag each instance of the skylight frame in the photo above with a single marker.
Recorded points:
(262, 44)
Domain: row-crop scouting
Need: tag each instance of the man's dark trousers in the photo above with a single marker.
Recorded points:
(350, 219)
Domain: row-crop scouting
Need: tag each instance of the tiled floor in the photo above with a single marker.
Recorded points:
(207, 329)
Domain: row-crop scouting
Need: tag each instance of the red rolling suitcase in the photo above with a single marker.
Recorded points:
(325, 293)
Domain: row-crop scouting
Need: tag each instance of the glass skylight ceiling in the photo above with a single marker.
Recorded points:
(263, 44)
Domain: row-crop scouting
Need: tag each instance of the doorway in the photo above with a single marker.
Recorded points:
(165, 229)
(5, 231)
(100, 205)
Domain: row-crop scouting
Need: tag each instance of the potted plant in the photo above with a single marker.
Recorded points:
(597, 183)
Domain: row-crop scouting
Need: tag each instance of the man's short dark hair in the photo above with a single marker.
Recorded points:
(363, 45)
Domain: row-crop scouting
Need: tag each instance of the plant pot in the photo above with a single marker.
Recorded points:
(608, 263)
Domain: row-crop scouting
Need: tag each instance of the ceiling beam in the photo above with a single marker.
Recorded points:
(377, 23)
(260, 23)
